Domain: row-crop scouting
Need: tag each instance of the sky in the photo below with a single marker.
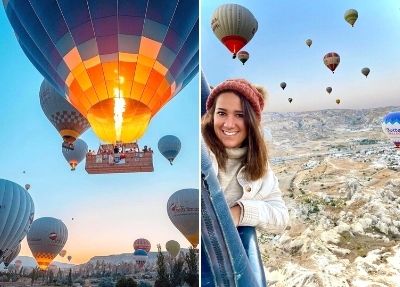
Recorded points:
(278, 53)
(110, 211)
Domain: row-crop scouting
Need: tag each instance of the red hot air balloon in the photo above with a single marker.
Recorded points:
(234, 26)
(332, 60)
(142, 243)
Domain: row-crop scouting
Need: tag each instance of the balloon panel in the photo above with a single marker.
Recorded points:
(100, 50)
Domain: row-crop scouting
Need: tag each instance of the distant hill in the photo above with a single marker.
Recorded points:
(28, 261)
(127, 257)
(316, 125)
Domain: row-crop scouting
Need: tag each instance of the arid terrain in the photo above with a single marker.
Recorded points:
(340, 176)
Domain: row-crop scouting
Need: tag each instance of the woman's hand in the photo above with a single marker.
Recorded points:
(236, 212)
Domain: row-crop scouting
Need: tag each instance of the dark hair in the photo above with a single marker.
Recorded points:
(256, 160)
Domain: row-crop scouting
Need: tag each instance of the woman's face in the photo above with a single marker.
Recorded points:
(229, 125)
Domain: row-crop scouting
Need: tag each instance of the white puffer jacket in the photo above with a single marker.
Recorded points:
(261, 201)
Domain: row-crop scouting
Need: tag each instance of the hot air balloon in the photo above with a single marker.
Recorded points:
(183, 211)
(365, 71)
(11, 256)
(283, 85)
(64, 117)
(391, 127)
(69, 258)
(169, 146)
(332, 60)
(243, 56)
(309, 42)
(329, 90)
(234, 26)
(290, 100)
(140, 257)
(40, 239)
(76, 155)
(16, 215)
(351, 16)
(62, 253)
(173, 247)
(142, 243)
(117, 62)
(27, 186)
(338, 101)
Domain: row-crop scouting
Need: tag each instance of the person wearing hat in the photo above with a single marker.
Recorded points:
(231, 129)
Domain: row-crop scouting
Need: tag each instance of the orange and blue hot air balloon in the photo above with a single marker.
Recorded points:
(118, 62)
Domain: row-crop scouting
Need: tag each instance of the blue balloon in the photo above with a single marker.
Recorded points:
(169, 146)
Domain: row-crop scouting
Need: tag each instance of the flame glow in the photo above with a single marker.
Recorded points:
(119, 109)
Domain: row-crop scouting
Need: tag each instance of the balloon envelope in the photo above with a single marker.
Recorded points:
(234, 25)
(391, 127)
(283, 85)
(243, 56)
(309, 42)
(338, 101)
(290, 100)
(69, 258)
(118, 62)
(45, 249)
(16, 215)
(169, 146)
(62, 253)
(63, 116)
(329, 90)
(332, 60)
(351, 16)
(173, 247)
(183, 211)
(142, 243)
(75, 156)
(27, 186)
(365, 71)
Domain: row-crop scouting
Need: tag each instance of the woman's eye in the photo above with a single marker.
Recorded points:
(240, 115)
(220, 113)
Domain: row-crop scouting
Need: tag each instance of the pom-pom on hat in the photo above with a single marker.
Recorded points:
(242, 87)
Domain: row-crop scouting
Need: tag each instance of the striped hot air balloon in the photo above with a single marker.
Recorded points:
(46, 239)
(234, 25)
(117, 62)
(243, 56)
(332, 60)
(142, 243)
(16, 215)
